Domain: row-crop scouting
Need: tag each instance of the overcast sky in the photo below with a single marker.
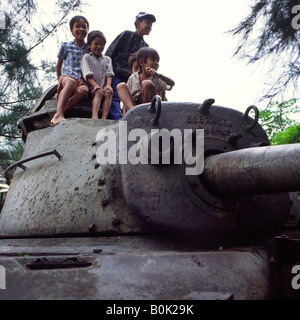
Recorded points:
(194, 49)
(190, 36)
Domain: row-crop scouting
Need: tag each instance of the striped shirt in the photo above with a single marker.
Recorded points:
(71, 55)
(99, 69)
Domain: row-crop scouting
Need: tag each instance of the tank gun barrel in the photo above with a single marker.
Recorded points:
(258, 170)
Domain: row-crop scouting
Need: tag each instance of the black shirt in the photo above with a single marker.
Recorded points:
(121, 48)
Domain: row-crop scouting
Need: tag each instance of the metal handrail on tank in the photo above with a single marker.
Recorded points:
(20, 163)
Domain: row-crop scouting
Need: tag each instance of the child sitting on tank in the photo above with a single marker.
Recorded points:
(97, 70)
(71, 88)
(133, 67)
(143, 85)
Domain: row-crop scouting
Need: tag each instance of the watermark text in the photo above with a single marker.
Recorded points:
(160, 146)
(296, 279)
(296, 19)
(2, 278)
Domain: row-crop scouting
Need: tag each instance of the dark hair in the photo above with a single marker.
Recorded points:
(95, 34)
(76, 18)
(131, 60)
(145, 53)
(135, 23)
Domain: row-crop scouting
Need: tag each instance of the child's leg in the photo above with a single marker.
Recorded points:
(68, 85)
(79, 94)
(96, 103)
(106, 104)
(125, 95)
(115, 108)
(148, 91)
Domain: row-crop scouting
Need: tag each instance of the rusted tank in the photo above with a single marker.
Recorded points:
(176, 201)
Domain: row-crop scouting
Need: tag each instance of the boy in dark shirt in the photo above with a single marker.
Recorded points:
(120, 49)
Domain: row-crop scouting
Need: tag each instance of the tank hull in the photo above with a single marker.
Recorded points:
(129, 268)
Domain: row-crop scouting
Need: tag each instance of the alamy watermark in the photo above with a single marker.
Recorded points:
(160, 146)
(296, 19)
(296, 279)
(2, 278)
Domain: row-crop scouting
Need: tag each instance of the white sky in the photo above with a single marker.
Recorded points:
(190, 37)
(193, 47)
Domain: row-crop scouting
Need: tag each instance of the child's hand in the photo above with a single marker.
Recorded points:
(150, 71)
(109, 88)
(95, 89)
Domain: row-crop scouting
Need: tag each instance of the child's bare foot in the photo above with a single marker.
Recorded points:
(56, 120)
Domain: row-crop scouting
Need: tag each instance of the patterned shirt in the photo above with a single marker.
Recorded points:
(71, 55)
(135, 89)
(100, 68)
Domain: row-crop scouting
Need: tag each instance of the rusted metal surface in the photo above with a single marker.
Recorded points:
(78, 195)
(61, 197)
(20, 163)
(259, 170)
(129, 268)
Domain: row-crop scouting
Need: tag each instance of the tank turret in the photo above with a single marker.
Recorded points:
(169, 175)
(66, 184)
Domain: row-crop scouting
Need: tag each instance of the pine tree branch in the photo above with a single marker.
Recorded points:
(11, 103)
(10, 136)
(41, 40)
(18, 101)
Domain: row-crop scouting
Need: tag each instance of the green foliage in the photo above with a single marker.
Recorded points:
(24, 253)
(280, 122)
(21, 78)
(10, 155)
(7, 156)
(290, 135)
